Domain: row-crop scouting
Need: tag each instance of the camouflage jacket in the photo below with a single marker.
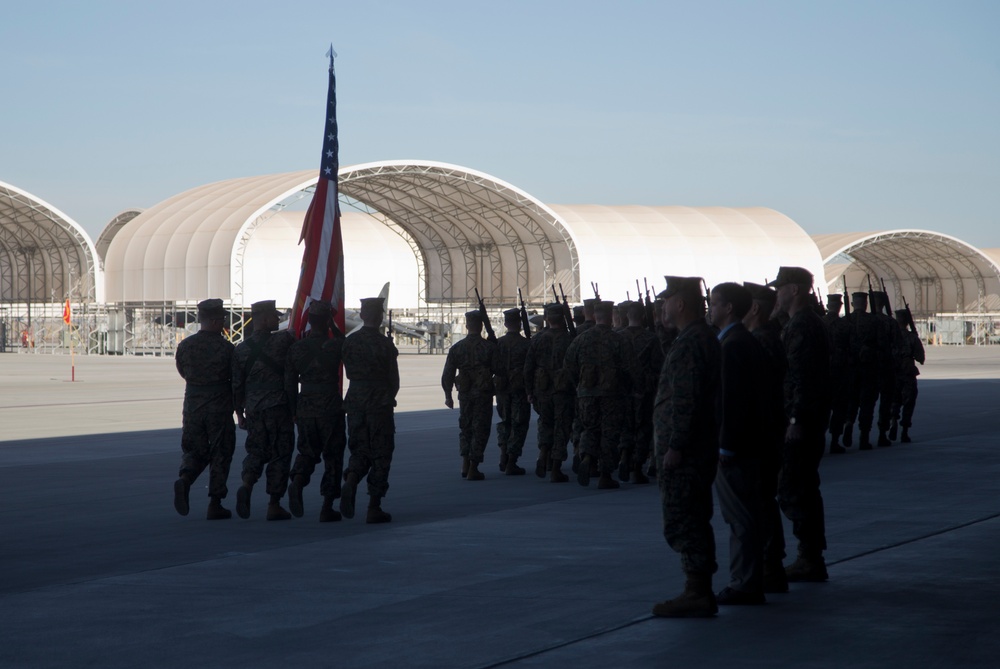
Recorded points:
(259, 371)
(807, 381)
(838, 332)
(543, 365)
(888, 341)
(469, 367)
(205, 361)
(371, 364)
(600, 363)
(508, 372)
(864, 338)
(909, 351)
(648, 359)
(684, 412)
(314, 361)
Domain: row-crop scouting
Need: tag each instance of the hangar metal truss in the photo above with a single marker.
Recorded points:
(933, 272)
(45, 256)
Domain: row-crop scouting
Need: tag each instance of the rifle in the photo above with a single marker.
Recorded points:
(909, 315)
(490, 335)
(570, 323)
(649, 306)
(597, 295)
(525, 323)
(888, 307)
(871, 295)
(847, 301)
(388, 330)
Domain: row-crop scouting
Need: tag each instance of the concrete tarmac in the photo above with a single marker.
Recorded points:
(97, 569)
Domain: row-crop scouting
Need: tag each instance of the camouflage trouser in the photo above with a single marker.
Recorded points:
(798, 490)
(515, 417)
(372, 439)
(321, 438)
(864, 394)
(626, 430)
(601, 418)
(474, 424)
(270, 442)
(840, 395)
(906, 400)
(555, 418)
(886, 394)
(686, 495)
(208, 440)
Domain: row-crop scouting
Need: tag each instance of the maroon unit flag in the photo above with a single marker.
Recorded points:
(322, 274)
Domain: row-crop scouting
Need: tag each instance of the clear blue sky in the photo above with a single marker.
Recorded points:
(843, 115)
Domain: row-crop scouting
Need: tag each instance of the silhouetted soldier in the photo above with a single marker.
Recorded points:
(888, 342)
(512, 400)
(261, 398)
(841, 368)
(686, 434)
(648, 362)
(208, 437)
(909, 351)
(865, 359)
(314, 361)
(469, 366)
(371, 364)
(550, 393)
(807, 406)
(599, 365)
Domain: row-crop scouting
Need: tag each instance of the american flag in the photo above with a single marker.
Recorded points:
(322, 274)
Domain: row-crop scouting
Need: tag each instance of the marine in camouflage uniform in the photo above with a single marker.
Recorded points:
(314, 362)
(838, 331)
(686, 434)
(208, 437)
(909, 351)
(577, 428)
(767, 331)
(599, 364)
(512, 400)
(888, 340)
(550, 393)
(865, 358)
(648, 362)
(469, 365)
(807, 406)
(261, 397)
(371, 364)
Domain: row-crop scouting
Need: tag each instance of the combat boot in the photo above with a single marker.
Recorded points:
(474, 473)
(375, 513)
(557, 475)
(347, 493)
(583, 471)
(504, 459)
(849, 434)
(882, 439)
(465, 466)
(216, 511)
(624, 468)
(697, 600)
(243, 499)
(905, 437)
(807, 569)
(512, 469)
(576, 462)
(864, 442)
(893, 429)
(295, 496)
(327, 514)
(607, 483)
(542, 464)
(182, 490)
(275, 511)
(638, 476)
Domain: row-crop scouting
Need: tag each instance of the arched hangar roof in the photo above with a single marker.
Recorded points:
(467, 229)
(619, 244)
(112, 229)
(933, 272)
(44, 254)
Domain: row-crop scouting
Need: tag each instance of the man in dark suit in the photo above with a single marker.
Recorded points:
(742, 439)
